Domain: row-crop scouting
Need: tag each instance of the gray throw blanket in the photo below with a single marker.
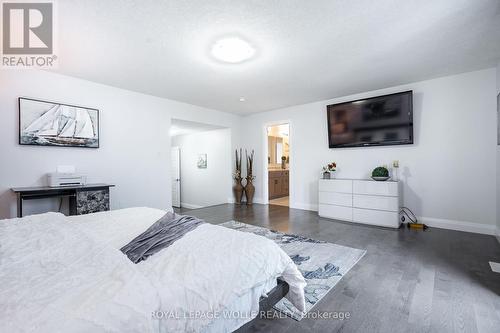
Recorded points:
(160, 235)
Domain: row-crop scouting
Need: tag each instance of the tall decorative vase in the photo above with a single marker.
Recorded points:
(249, 191)
(238, 191)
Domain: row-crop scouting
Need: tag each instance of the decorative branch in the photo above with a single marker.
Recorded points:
(239, 163)
(249, 160)
(237, 173)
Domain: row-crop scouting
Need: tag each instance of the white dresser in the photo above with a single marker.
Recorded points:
(361, 201)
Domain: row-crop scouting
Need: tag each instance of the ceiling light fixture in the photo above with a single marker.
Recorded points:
(232, 50)
(242, 99)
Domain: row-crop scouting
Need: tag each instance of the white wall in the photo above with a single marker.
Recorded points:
(135, 141)
(210, 186)
(449, 173)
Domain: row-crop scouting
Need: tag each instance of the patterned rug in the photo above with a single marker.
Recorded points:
(322, 264)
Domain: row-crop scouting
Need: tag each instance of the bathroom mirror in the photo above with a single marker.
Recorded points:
(275, 149)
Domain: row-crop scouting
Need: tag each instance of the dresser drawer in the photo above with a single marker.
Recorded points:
(376, 202)
(376, 217)
(334, 198)
(335, 185)
(335, 212)
(278, 173)
(375, 188)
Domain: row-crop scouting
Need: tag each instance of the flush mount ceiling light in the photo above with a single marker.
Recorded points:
(232, 50)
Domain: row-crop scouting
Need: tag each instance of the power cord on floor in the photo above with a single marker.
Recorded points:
(405, 211)
(412, 223)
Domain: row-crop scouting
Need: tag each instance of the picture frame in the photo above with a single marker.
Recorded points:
(202, 161)
(45, 123)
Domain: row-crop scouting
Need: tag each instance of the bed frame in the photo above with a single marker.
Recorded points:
(266, 304)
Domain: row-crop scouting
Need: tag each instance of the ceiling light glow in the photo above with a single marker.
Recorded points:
(232, 50)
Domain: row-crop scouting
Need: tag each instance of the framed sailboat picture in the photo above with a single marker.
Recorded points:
(44, 123)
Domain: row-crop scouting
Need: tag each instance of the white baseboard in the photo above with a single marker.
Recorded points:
(255, 200)
(477, 228)
(190, 206)
(259, 201)
(304, 206)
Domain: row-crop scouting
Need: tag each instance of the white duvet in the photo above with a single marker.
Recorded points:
(67, 274)
(54, 278)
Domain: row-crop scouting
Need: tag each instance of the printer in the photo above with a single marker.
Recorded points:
(57, 179)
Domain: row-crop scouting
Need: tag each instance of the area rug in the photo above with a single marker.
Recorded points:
(322, 264)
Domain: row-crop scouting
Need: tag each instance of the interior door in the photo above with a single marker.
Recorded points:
(176, 176)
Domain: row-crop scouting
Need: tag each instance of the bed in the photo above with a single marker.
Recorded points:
(68, 274)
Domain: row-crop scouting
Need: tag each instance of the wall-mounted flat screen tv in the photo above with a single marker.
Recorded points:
(376, 121)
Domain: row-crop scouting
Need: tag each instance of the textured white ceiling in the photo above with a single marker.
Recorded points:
(306, 50)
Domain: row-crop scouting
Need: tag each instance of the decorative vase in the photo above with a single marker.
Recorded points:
(326, 175)
(238, 191)
(283, 164)
(249, 191)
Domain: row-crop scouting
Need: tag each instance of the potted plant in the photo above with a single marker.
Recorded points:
(249, 188)
(283, 162)
(238, 187)
(329, 169)
(380, 173)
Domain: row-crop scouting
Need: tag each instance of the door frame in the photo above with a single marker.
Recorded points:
(180, 179)
(265, 167)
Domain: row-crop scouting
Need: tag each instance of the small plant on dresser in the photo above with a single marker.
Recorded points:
(329, 169)
(380, 173)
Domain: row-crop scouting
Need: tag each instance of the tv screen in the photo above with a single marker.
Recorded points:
(376, 121)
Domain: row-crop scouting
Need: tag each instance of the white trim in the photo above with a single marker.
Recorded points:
(477, 228)
(259, 201)
(255, 200)
(190, 206)
(304, 206)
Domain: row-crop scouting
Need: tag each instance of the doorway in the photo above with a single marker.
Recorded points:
(278, 164)
(200, 164)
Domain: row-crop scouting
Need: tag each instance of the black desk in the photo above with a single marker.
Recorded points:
(84, 199)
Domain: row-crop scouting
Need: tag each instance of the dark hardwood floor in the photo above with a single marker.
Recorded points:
(409, 281)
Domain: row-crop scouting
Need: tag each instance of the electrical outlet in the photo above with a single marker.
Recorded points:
(395, 164)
